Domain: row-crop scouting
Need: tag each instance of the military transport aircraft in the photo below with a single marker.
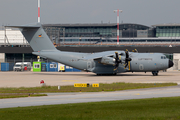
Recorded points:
(102, 63)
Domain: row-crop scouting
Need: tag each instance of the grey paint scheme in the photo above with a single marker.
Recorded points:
(42, 46)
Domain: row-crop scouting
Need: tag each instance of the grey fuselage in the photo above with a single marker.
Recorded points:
(141, 62)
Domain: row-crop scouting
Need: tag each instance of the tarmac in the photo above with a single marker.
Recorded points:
(32, 79)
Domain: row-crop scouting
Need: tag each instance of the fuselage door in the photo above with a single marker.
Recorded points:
(89, 65)
(141, 67)
(156, 65)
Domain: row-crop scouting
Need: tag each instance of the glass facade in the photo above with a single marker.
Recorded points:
(18, 57)
(90, 32)
(142, 40)
(87, 33)
(168, 31)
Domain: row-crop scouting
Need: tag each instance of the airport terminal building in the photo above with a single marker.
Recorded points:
(95, 32)
(129, 33)
(103, 33)
(107, 33)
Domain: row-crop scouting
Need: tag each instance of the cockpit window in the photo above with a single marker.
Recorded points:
(163, 57)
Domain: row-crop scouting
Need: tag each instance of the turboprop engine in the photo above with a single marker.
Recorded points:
(108, 60)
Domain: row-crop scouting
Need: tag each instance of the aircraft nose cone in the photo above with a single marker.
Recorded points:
(170, 63)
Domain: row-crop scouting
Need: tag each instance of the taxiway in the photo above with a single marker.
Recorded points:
(32, 79)
(65, 98)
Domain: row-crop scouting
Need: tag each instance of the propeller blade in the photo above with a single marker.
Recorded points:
(127, 59)
(117, 56)
(136, 50)
(126, 65)
(117, 61)
(116, 66)
(127, 54)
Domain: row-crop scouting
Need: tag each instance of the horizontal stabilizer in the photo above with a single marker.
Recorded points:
(37, 25)
(23, 26)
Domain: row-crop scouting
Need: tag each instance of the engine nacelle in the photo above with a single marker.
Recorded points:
(108, 60)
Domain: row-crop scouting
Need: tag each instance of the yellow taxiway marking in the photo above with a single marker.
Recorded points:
(70, 80)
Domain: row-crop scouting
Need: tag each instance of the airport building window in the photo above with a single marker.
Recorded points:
(168, 31)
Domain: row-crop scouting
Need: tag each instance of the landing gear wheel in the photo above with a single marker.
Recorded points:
(155, 73)
(114, 74)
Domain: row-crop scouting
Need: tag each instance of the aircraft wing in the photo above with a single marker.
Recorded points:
(99, 55)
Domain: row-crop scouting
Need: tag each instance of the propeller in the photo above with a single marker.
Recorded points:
(127, 59)
(117, 61)
(135, 50)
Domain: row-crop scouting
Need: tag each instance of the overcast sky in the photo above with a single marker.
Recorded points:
(146, 12)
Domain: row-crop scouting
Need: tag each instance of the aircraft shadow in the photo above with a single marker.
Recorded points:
(141, 74)
(91, 75)
(67, 74)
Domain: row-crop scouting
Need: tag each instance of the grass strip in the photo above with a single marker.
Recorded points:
(102, 87)
(10, 95)
(142, 109)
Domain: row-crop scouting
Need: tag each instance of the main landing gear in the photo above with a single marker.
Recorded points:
(155, 73)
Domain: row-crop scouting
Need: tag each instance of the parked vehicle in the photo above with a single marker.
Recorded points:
(61, 67)
(22, 66)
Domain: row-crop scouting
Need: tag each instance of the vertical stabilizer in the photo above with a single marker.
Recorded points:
(36, 37)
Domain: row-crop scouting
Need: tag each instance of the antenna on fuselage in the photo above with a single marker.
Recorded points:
(38, 11)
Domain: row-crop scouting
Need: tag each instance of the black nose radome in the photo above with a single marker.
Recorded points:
(170, 63)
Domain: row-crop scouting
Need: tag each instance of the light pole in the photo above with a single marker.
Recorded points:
(118, 24)
(38, 11)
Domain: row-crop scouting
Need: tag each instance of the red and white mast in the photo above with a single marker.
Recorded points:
(118, 24)
(38, 11)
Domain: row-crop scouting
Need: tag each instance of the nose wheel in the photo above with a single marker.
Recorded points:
(155, 73)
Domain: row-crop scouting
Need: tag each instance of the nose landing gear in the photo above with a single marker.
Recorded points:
(155, 73)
